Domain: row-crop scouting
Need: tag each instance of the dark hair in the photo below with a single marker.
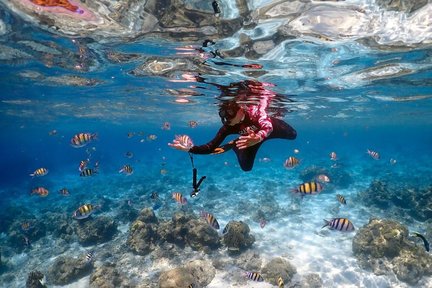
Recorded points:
(228, 110)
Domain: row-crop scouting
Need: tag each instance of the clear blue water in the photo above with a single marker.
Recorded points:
(335, 109)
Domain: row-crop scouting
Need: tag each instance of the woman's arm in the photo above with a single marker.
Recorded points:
(210, 146)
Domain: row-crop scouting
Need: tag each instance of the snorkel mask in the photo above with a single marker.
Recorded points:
(228, 111)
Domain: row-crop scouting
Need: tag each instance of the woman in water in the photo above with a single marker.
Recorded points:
(250, 121)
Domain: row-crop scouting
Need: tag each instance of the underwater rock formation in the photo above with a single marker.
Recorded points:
(146, 233)
(202, 271)
(66, 270)
(237, 238)
(107, 276)
(186, 229)
(382, 246)
(92, 231)
(199, 273)
(142, 237)
(278, 267)
(414, 201)
(249, 260)
(34, 280)
(176, 278)
(23, 232)
(143, 233)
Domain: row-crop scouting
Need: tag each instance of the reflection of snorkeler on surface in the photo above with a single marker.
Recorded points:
(61, 3)
(250, 121)
(206, 52)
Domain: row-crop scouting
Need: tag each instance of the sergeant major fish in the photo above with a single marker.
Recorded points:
(39, 172)
(280, 282)
(126, 169)
(340, 224)
(82, 139)
(89, 256)
(309, 188)
(341, 199)
(84, 211)
(41, 191)
(291, 162)
(210, 219)
(178, 197)
(255, 276)
(88, 172)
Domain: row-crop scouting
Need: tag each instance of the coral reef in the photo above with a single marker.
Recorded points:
(237, 238)
(96, 230)
(66, 270)
(34, 280)
(249, 260)
(107, 276)
(383, 246)
(278, 267)
(143, 233)
(142, 237)
(146, 233)
(415, 201)
(25, 231)
(176, 278)
(199, 273)
(186, 229)
(202, 271)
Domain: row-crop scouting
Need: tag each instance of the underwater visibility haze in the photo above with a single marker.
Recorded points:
(101, 101)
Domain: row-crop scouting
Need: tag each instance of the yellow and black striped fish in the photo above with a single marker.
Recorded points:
(88, 172)
(280, 282)
(309, 188)
(341, 199)
(340, 224)
(291, 162)
(82, 139)
(39, 172)
(255, 276)
(41, 191)
(84, 211)
(126, 169)
(211, 220)
(177, 196)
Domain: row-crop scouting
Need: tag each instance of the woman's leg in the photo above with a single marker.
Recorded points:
(246, 157)
(282, 130)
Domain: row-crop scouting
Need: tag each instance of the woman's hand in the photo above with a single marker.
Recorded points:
(249, 140)
(181, 142)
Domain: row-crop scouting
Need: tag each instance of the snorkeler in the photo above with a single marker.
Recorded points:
(251, 122)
